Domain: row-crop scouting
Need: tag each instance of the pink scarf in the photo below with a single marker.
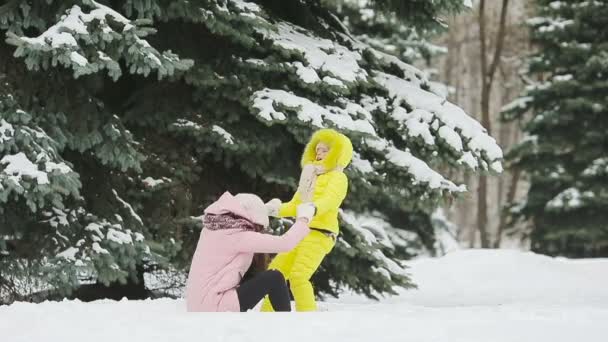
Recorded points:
(226, 221)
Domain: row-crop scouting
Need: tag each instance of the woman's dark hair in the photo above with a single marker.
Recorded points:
(260, 262)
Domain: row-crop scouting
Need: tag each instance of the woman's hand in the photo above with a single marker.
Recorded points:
(273, 206)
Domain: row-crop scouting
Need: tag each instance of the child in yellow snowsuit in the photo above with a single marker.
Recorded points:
(324, 183)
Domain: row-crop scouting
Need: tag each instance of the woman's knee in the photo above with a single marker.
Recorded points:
(275, 276)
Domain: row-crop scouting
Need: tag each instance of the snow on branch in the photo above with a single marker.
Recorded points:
(570, 199)
(452, 125)
(419, 170)
(29, 159)
(337, 63)
(269, 103)
(68, 40)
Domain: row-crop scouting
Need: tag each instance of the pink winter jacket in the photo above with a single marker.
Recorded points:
(223, 256)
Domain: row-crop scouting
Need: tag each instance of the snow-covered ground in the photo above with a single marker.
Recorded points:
(470, 295)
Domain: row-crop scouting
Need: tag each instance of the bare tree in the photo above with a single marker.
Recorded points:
(487, 78)
(460, 68)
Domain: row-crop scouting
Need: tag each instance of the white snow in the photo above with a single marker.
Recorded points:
(589, 3)
(465, 296)
(101, 11)
(69, 254)
(598, 167)
(246, 6)
(537, 21)
(78, 58)
(375, 229)
(556, 5)
(74, 21)
(103, 56)
(139, 237)
(73, 26)
(228, 138)
(468, 159)
(307, 111)
(323, 55)
(334, 82)
(98, 249)
(119, 237)
(555, 24)
(61, 167)
(412, 75)
(563, 78)
(575, 45)
(306, 74)
(571, 198)
(520, 102)
(419, 170)
(449, 114)
(256, 61)
(57, 218)
(416, 123)
(264, 105)
(5, 128)
(451, 137)
(445, 231)
(503, 277)
(389, 264)
(18, 165)
(362, 165)
(187, 124)
(151, 182)
(94, 227)
(497, 166)
(355, 109)
(373, 103)
(128, 206)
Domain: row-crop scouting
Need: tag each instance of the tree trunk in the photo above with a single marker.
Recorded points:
(487, 78)
(482, 211)
(503, 215)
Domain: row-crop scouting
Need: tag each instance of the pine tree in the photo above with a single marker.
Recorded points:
(566, 151)
(394, 28)
(229, 109)
(66, 155)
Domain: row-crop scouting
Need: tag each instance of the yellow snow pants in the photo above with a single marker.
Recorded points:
(298, 266)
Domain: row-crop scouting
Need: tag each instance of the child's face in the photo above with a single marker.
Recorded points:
(321, 149)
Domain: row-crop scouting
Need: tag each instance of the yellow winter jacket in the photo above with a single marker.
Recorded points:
(330, 187)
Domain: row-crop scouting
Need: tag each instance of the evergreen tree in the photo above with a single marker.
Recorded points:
(392, 26)
(130, 160)
(566, 151)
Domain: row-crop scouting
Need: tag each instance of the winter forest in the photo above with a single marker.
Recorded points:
(475, 189)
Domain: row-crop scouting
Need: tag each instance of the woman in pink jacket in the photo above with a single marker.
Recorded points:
(232, 233)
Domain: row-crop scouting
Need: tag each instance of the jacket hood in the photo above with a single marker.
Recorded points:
(340, 149)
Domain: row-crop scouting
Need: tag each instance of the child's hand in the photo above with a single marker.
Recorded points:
(306, 210)
(272, 207)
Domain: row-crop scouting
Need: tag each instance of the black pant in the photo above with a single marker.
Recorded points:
(271, 283)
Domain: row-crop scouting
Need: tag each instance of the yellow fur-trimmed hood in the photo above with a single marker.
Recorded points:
(340, 149)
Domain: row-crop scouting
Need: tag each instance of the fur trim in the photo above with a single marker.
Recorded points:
(340, 149)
